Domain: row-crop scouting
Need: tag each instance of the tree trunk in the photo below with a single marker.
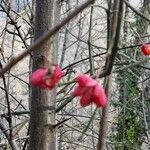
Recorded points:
(42, 104)
(114, 27)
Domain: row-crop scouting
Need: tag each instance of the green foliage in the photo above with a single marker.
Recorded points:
(129, 129)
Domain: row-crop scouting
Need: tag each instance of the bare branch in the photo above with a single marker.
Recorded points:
(136, 11)
(6, 132)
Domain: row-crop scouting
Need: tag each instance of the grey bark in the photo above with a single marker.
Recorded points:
(42, 106)
(114, 36)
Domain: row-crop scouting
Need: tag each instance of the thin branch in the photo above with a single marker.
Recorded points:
(144, 113)
(95, 46)
(9, 118)
(4, 89)
(88, 125)
(17, 113)
(136, 11)
(6, 133)
(77, 62)
(89, 43)
(68, 100)
(132, 65)
(15, 25)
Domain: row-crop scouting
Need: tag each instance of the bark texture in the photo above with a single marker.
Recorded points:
(114, 27)
(42, 104)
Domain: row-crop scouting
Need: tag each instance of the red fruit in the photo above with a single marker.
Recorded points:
(37, 77)
(46, 77)
(145, 49)
(86, 98)
(90, 91)
(53, 77)
(99, 96)
(85, 93)
(85, 80)
(79, 90)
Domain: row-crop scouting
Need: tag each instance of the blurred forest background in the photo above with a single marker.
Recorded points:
(102, 40)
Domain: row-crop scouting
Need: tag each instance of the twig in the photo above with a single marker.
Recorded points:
(17, 113)
(6, 133)
(136, 11)
(144, 113)
(77, 62)
(15, 25)
(88, 125)
(138, 35)
(68, 100)
(132, 65)
(9, 118)
(57, 124)
(89, 44)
